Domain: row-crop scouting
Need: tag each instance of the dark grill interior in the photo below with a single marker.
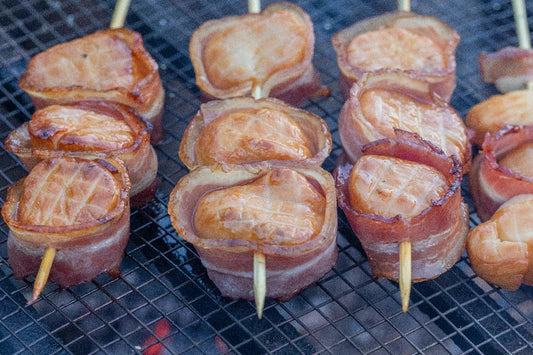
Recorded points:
(164, 302)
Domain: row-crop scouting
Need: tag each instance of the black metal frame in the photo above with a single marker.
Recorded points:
(163, 302)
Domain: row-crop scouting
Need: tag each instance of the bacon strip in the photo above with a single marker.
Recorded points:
(510, 68)
(229, 262)
(110, 65)
(260, 55)
(490, 183)
(85, 248)
(256, 144)
(437, 234)
(441, 81)
(86, 129)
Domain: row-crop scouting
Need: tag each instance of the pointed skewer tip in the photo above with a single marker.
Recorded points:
(259, 283)
(405, 274)
(43, 273)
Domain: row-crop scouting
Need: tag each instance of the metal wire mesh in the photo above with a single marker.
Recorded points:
(163, 302)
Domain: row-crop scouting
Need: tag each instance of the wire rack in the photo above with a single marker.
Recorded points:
(163, 302)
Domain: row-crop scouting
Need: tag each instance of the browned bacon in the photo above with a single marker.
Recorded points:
(500, 248)
(286, 213)
(384, 101)
(86, 129)
(405, 189)
(244, 130)
(77, 206)
(419, 45)
(510, 68)
(110, 65)
(495, 179)
(272, 50)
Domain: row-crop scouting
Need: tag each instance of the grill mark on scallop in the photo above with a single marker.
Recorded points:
(389, 110)
(65, 193)
(390, 186)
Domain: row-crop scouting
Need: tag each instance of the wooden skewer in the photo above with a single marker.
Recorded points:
(405, 274)
(117, 21)
(259, 283)
(404, 5)
(119, 15)
(522, 29)
(259, 258)
(42, 274)
(254, 6)
(405, 278)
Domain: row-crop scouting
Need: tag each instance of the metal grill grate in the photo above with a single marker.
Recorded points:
(163, 302)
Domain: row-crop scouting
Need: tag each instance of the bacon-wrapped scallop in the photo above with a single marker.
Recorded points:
(510, 68)
(491, 115)
(500, 248)
(110, 65)
(271, 50)
(244, 130)
(405, 190)
(77, 206)
(419, 45)
(287, 213)
(502, 169)
(89, 128)
(382, 102)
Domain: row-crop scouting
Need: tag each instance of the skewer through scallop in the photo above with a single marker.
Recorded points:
(119, 16)
(405, 247)
(383, 96)
(254, 6)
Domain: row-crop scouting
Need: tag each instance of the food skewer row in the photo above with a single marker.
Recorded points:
(117, 21)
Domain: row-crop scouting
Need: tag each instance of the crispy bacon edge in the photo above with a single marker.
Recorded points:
(292, 85)
(353, 138)
(97, 247)
(230, 262)
(314, 127)
(147, 97)
(490, 183)
(139, 158)
(444, 224)
(442, 82)
(510, 68)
